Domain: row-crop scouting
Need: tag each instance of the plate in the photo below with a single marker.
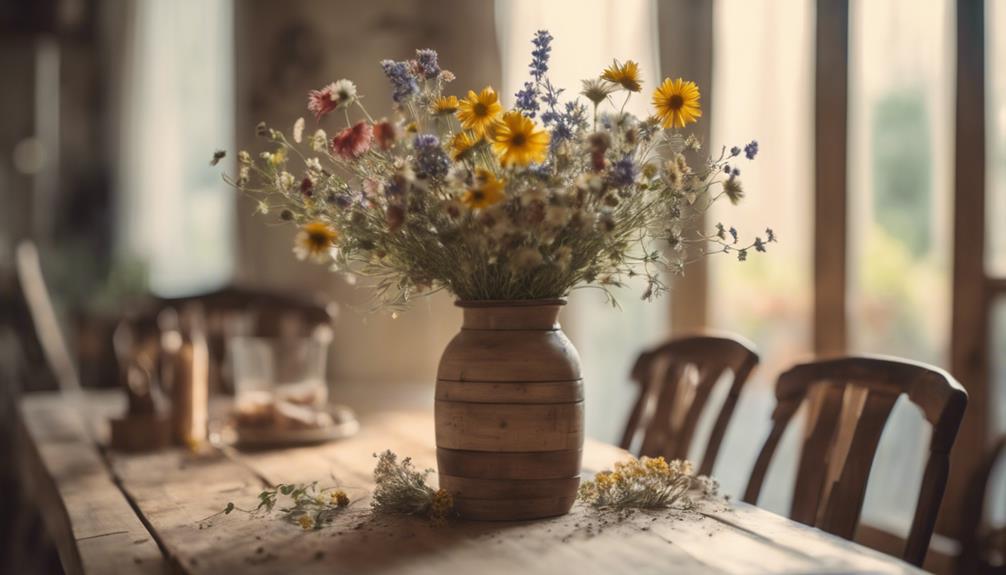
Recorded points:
(346, 425)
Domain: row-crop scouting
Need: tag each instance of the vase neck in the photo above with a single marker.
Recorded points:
(521, 315)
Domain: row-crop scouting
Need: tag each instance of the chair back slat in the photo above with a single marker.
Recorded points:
(676, 381)
(844, 496)
(851, 399)
(812, 470)
(707, 377)
(657, 431)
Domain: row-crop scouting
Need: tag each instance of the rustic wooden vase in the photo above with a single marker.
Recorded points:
(509, 412)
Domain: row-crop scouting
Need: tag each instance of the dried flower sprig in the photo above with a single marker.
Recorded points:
(309, 507)
(402, 489)
(646, 483)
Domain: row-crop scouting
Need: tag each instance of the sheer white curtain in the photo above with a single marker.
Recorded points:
(174, 212)
(763, 89)
(588, 35)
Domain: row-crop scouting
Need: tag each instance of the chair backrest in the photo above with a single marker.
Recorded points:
(852, 399)
(44, 326)
(675, 381)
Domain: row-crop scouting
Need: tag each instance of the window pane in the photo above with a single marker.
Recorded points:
(767, 44)
(178, 109)
(900, 175)
(995, 66)
(997, 494)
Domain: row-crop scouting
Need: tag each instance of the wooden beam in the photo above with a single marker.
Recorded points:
(969, 357)
(831, 95)
(686, 50)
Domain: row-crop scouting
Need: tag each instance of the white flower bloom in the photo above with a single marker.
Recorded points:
(286, 181)
(342, 92)
(526, 258)
(313, 165)
(319, 141)
(298, 130)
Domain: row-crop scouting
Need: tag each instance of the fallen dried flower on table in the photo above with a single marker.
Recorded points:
(309, 507)
(402, 489)
(646, 483)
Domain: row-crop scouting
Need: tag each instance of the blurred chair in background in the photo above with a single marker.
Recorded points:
(850, 401)
(983, 548)
(675, 381)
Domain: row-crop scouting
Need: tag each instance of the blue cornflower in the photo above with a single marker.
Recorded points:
(751, 150)
(402, 80)
(431, 160)
(539, 56)
(623, 173)
(426, 60)
(735, 151)
(527, 99)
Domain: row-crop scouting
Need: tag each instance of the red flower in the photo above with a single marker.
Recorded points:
(321, 102)
(352, 143)
(386, 133)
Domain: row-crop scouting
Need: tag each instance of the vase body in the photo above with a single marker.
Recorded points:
(509, 412)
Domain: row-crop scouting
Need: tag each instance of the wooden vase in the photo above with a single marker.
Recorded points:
(509, 412)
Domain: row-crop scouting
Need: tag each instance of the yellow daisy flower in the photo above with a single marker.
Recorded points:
(306, 522)
(315, 240)
(518, 141)
(445, 105)
(488, 190)
(463, 143)
(625, 75)
(478, 111)
(339, 498)
(677, 103)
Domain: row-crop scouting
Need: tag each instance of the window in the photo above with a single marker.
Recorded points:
(995, 66)
(175, 211)
(901, 153)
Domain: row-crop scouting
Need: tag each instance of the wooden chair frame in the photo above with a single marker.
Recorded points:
(668, 428)
(853, 398)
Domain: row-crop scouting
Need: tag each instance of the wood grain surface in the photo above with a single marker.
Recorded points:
(175, 492)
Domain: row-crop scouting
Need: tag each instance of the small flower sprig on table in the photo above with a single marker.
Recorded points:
(401, 489)
(646, 483)
(310, 507)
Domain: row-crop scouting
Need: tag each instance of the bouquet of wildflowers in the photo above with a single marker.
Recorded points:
(492, 204)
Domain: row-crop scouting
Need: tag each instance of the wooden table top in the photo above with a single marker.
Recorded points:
(146, 513)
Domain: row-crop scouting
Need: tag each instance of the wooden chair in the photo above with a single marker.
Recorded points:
(853, 397)
(983, 548)
(675, 381)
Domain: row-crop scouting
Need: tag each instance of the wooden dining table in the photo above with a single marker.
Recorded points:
(160, 512)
